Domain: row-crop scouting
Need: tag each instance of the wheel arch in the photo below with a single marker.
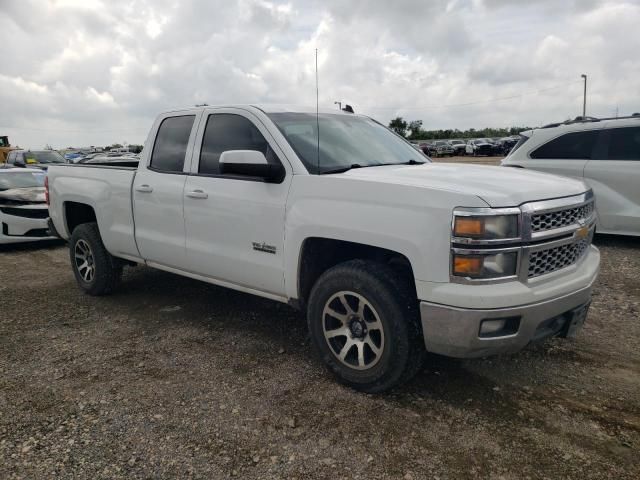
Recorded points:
(318, 254)
(77, 213)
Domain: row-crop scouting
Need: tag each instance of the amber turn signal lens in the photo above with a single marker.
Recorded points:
(463, 265)
(468, 227)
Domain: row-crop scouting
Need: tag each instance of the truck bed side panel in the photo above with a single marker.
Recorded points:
(108, 192)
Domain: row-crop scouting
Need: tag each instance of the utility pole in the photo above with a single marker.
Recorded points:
(584, 101)
(339, 105)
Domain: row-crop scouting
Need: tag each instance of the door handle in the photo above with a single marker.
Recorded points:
(144, 189)
(197, 194)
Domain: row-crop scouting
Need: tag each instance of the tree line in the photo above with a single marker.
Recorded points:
(412, 130)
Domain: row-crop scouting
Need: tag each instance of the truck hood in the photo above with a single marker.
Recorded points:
(28, 194)
(497, 186)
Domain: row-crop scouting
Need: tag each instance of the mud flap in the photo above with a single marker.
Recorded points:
(575, 320)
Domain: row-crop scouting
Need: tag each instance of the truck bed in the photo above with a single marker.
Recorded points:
(107, 190)
(124, 164)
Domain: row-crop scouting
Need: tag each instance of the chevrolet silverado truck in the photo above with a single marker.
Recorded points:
(390, 256)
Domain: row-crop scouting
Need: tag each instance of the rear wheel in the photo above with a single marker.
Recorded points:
(364, 323)
(96, 270)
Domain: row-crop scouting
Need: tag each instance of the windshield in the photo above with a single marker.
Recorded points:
(47, 156)
(21, 180)
(345, 141)
(457, 142)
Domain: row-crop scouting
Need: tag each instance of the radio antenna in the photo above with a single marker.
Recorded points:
(317, 114)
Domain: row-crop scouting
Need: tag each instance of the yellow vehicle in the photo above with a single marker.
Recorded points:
(5, 148)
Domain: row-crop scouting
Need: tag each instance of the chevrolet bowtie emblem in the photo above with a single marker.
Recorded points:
(582, 232)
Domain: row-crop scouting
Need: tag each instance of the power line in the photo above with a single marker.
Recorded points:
(477, 102)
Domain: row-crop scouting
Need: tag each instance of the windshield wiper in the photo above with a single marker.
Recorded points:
(343, 169)
(408, 162)
(357, 165)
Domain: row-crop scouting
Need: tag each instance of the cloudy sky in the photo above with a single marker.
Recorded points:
(94, 72)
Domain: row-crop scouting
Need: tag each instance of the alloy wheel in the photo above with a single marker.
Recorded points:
(353, 330)
(85, 263)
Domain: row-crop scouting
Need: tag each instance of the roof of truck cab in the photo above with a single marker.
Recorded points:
(270, 108)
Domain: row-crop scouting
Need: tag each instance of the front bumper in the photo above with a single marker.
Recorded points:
(17, 229)
(455, 332)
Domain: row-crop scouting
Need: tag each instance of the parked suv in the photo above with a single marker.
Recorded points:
(603, 152)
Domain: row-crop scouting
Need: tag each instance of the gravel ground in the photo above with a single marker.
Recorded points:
(175, 378)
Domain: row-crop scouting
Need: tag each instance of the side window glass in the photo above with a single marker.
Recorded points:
(171, 143)
(574, 146)
(11, 158)
(624, 143)
(226, 131)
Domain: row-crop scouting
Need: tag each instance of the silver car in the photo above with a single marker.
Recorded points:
(23, 208)
(603, 152)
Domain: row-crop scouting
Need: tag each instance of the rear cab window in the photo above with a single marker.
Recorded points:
(170, 147)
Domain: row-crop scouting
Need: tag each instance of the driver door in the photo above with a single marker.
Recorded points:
(234, 225)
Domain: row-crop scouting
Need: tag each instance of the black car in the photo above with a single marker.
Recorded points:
(427, 148)
(33, 159)
(505, 145)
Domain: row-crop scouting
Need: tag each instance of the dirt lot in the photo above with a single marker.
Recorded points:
(175, 378)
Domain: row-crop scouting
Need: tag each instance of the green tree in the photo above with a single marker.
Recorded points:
(415, 127)
(399, 126)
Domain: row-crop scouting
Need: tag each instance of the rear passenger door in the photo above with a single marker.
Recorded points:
(566, 154)
(614, 175)
(158, 191)
(234, 224)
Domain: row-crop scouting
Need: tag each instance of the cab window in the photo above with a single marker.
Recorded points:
(226, 131)
(171, 144)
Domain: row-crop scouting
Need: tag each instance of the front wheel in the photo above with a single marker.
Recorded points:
(96, 270)
(364, 323)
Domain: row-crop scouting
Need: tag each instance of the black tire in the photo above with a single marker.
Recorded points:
(402, 349)
(107, 270)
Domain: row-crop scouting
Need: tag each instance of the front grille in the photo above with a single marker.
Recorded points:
(26, 212)
(560, 218)
(546, 261)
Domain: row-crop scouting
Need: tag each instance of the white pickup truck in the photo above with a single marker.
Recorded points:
(390, 255)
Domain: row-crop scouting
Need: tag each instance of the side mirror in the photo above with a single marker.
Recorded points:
(250, 163)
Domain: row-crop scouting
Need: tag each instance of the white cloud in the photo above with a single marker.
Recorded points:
(93, 72)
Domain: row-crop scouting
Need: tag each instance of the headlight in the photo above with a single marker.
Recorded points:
(484, 265)
(489, 227)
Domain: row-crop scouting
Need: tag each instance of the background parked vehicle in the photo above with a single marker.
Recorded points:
(5, 148)
(442, 148)
(479, 147)
(505, 144)
(605, 153)
(34, 159)
(23, 209)
(458, 146)
(426, 148)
